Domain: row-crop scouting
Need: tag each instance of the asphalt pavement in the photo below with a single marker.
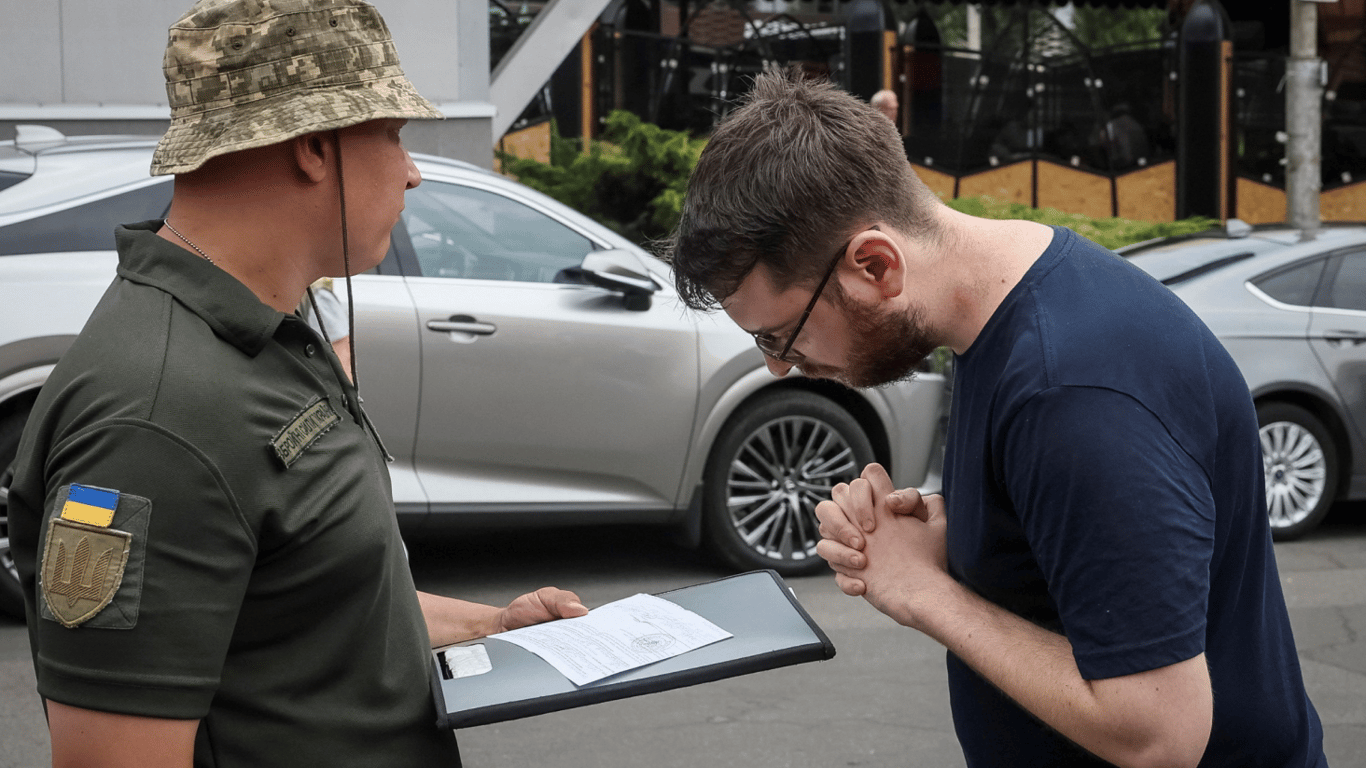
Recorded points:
(882, 701)
(1324, 579)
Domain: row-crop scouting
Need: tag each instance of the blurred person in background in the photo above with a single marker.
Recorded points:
(885, 102)
(330, 319)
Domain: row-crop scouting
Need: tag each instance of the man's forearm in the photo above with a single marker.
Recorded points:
(451, 621)
(85, 738)
(1157, 718)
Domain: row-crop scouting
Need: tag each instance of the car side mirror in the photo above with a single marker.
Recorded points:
(620, 271)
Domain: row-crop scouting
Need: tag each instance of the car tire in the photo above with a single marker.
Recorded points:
(1300, 461)
(11, 596)
(772, 463)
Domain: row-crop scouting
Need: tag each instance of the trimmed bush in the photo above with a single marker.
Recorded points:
(1111, 232)
(631, 180)
(634, 178)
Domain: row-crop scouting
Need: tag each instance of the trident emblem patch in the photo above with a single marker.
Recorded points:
(82, 569)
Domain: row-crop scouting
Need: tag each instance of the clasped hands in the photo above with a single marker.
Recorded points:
(885, 544)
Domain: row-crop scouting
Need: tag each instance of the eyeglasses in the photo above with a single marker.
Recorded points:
(769, 345)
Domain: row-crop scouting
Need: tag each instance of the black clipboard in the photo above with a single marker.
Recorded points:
(770, 629)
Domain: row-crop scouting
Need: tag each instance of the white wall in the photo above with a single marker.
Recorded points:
(94, 66)
(84, 51)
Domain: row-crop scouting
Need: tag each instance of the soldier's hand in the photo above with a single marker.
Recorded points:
(545, 604)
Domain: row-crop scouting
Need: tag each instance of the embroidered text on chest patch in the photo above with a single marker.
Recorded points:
(310, 424)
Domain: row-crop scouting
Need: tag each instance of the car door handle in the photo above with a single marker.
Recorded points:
(461, 324)
(1343, 338)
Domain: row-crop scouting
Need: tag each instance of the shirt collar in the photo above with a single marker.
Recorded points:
(228, 306)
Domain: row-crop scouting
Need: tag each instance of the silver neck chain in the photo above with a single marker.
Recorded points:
(196, 248)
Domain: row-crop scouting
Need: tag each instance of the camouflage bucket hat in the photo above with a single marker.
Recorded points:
(249, 73)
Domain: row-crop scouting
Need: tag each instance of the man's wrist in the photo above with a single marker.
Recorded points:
(924, 606)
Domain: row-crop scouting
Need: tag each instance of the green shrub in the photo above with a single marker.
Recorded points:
(631, 180)
(1109, 232)
(634, 178)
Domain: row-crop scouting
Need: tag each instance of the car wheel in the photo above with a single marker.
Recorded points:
(771, 465)
(1301, 466)
(11, 596)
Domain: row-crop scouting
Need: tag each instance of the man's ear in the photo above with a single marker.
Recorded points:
(879, 265)
(313, 155)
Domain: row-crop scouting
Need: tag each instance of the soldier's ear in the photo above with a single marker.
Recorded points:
(313, 155)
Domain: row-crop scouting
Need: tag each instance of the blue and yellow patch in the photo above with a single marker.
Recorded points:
(90, 505)
(85, 559)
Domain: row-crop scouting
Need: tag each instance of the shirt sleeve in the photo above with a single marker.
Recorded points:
(333, 315)
(1121, 521)
(157, 648)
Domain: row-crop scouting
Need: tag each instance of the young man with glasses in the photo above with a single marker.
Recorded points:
(1100, 563)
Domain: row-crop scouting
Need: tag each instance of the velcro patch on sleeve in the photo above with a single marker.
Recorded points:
(91, 576)
(90, 505)
(82, 569)
(303, 430)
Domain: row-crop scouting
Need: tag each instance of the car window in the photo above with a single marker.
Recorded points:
(460, 231)
(9, 179)
(1294, 285)
(86, 227)
(1348, 288)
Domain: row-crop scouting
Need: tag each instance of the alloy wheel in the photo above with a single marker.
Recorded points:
(781, 472)
(7, 568)
(1296, 472)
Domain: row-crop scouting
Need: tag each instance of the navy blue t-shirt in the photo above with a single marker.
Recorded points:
(1104, 480)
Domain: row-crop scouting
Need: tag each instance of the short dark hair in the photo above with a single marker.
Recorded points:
(785, 179)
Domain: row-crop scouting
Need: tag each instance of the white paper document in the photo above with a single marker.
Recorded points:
(623, 635)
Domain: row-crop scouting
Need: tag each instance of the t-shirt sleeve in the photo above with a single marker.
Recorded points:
(1121, 521)
(157, 647)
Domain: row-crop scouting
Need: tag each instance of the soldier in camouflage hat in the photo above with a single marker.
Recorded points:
(201, 513)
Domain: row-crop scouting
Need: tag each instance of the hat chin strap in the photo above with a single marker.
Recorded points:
(350, 304)
(346, 262)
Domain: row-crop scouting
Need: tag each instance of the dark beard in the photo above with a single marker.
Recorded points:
(893, 344)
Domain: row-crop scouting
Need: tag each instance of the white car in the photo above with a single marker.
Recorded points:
(524, 364)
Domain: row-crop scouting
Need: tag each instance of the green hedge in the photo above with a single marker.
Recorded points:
(1111, 232)
(634, 178)
(631, 180)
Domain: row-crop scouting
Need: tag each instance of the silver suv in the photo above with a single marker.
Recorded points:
(524, 364)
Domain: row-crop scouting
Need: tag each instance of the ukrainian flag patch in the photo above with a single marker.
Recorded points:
(90, 505)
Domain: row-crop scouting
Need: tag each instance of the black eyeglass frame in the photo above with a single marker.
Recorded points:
(782, 357)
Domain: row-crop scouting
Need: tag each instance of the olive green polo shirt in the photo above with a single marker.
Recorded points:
(250, 558)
